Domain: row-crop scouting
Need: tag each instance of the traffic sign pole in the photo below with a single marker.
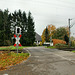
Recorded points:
(17, 45)
(17, 48)
(17, 37)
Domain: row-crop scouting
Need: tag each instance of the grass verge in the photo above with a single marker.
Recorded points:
(52, 47)
(73, 51)
(9, 59)
(11, 48)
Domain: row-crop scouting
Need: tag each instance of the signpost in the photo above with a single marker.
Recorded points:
(17, 37)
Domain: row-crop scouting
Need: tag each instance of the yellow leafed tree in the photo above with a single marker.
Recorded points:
(51, 28)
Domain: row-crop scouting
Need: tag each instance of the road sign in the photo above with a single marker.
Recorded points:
(17, 40)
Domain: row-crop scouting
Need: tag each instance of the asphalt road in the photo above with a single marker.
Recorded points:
(45, 61)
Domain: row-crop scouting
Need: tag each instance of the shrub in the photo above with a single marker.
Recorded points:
(40, 44)
(34, 44)
(73, 42)
(61, 45)
(57, 41)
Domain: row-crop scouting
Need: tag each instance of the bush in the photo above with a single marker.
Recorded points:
(61, 45)
(34, 44)
(40, 44)
(57, 41)
(73, 43)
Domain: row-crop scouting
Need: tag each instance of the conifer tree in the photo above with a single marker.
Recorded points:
(30, 30)
(46, 35)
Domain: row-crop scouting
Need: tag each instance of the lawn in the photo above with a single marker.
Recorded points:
(9, 59)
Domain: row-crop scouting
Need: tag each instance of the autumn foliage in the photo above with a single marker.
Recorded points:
(10, 59)
(51, 28)
(56, 41)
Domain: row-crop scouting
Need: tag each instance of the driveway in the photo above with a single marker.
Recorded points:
(45, 61)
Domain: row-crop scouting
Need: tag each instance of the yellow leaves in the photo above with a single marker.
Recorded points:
(9, 59)
(51, 28)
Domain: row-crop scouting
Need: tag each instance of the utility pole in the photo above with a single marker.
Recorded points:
(69, 32)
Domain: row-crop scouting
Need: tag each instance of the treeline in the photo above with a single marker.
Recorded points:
(51, 32)
(8, 21)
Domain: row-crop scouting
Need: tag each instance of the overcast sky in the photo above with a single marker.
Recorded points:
(45, 12)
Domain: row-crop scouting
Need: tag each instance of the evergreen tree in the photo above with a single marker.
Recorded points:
(24, 29)
(66, 38)
(30, 30)
(46, 35)
(9, 27)
(9, 21)
(1, 28)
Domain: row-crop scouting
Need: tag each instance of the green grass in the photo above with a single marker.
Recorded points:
(73, 51)
(11, 48)
(19, 54)
(52, 47)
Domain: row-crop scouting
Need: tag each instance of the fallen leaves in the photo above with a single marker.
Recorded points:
(9, 59)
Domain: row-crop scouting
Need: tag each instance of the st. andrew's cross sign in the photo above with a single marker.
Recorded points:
(17, 40)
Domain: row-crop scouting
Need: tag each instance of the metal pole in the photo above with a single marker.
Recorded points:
(69, 33)
(17, 45)
(17, 48)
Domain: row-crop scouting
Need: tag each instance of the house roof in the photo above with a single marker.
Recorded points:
(37, 37)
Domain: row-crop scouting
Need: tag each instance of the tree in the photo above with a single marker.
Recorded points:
(8, 23)
(46, 35)
(24, 29)
(59, 33)
(50, 28)
(67, 29)
(66, 38)
(72, 38)
(30, 30)
(1, 28)
(42, 36)
(5, 23)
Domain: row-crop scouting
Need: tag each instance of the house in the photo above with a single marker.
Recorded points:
(37, 39)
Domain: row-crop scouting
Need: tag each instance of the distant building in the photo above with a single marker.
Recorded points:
(37, 39)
